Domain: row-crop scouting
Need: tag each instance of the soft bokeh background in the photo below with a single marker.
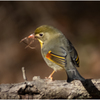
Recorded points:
(79, 21)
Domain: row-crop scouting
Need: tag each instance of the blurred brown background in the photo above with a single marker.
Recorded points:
(79, 21)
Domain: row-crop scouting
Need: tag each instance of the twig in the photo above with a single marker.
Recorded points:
(24, 74)
(28, 45)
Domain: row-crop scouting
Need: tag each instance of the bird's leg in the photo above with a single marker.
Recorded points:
(50, 76)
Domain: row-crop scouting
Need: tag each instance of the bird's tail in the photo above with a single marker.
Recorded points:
(73, 74)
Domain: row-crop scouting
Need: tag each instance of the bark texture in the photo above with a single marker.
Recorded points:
(47, 89)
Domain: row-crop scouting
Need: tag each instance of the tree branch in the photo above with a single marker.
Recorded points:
(47, 89)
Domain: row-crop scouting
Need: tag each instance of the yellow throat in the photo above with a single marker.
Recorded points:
(41, 42)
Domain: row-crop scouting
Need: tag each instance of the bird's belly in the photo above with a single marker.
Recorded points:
(53, 65)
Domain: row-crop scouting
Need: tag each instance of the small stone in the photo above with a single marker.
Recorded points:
(36, 77)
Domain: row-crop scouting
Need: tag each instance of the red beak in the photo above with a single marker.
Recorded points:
(32, 36)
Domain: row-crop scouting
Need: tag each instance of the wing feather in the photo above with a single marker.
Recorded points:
(74, 54)
(58, 59)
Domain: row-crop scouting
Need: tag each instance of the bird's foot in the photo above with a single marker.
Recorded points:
(50, 77)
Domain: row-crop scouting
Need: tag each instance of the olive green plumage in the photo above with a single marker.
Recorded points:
(58, 51)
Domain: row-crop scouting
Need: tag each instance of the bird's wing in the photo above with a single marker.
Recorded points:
(58, 57)
(73, 54)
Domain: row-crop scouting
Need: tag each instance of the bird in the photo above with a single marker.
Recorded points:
(57, 51)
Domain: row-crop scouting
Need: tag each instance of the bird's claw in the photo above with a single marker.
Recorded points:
(50, 77)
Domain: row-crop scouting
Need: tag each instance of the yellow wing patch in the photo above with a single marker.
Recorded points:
(77, 60)
(58, 59)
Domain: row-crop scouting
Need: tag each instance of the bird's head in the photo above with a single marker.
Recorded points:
(44, 33)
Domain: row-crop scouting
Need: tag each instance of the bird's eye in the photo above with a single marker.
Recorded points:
(41, 34)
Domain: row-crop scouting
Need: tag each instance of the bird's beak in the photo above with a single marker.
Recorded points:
(32, 36)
